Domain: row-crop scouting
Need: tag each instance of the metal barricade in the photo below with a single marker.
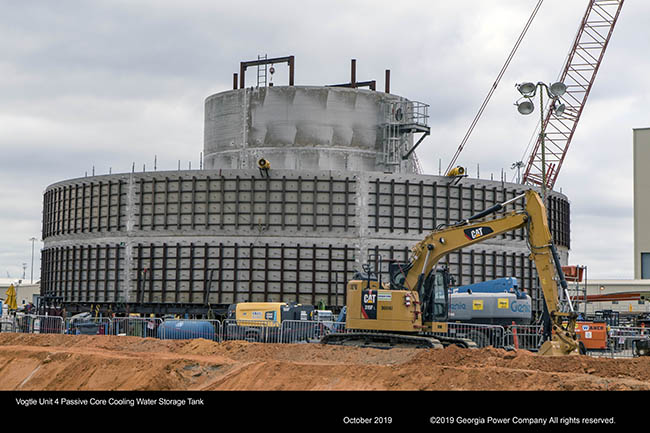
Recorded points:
(7, 324)
(482, 335)
(35, 324)
(294, 331)
(525, 337)
(135, 326)
(182, 329)
(621, 341)
(88, 326)
(259, 331)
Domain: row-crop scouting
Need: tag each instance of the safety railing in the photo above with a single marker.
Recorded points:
(621, 340)
(7, 325)
(35, 324)
(524, 337)
(135, 326)
(89, 326)
(296, 331)
(258, 331)
(482, 335)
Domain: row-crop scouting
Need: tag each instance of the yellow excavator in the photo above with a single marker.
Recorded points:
(412, 308)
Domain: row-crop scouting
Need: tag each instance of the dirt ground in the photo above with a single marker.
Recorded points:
(112, 363)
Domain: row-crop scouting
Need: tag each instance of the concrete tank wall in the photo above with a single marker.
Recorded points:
(180, 241)
(298, 127)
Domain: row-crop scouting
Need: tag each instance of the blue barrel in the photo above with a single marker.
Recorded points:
(185, 330)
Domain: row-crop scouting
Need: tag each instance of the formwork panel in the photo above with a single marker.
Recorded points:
(306, 233)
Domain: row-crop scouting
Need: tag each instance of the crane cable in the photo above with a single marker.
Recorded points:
(494, 86)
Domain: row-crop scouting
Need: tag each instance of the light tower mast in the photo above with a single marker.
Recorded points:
(578, 74)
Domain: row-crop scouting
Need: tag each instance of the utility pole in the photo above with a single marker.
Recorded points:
(33, 239)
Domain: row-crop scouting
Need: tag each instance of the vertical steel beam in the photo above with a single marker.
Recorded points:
(177, 279)
(313, 271)
(139, 279)
(119, 205)
(282, 248)
(107, 254)
(346, 203)
(222, 205)
(179, 203)
(387, 81)
(299, 201)
(153, 203)
(191, 282)
(315, 204)
(152, 262)
(193, 205)
(166, 204)
(220, 288)
(208, 184)
(117, 274)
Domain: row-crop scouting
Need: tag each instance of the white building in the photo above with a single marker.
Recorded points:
(623, 295)
(25, 293)
(617, 295)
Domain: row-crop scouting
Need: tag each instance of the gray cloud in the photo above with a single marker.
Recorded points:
(110, 83)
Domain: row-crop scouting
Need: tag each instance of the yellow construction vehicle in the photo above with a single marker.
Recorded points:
(268, 321)
(413, 306)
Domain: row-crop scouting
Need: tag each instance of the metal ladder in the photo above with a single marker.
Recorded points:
(261, 72)
(401, 119)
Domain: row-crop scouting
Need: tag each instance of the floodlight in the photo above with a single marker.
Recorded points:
(525, 107)
(526, 89)
(558, 89)
(559, 109)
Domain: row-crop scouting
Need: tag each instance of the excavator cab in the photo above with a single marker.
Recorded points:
(433, 291)
(398, 272)
(435, 297)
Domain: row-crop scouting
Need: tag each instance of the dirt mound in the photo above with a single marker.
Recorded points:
(65, 362)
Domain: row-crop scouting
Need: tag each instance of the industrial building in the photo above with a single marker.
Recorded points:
(628, 298)
(641, 155)
(300, 187)
(26, 292)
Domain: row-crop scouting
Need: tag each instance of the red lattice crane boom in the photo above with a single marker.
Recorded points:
(578, 74)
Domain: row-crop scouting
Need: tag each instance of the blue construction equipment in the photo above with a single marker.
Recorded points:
(493, 302)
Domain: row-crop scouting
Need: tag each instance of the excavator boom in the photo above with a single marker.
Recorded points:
(416, 299)
(428, 252)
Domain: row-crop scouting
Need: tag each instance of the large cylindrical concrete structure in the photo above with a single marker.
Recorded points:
(339, 194)
(308, 128)
(184, 241)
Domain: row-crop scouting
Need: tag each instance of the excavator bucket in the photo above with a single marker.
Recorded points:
(557, 348)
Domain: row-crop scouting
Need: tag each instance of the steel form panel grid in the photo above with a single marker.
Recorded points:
(202, 273)
(245, 202)
(85, 207)
(420, 207)
(88, 273)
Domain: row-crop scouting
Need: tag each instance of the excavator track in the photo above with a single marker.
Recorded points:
(465, 343)
(390, 341)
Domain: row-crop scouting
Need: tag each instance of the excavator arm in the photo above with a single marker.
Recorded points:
(428, 252)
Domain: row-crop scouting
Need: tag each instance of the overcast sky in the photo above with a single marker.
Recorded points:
(105, 84)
